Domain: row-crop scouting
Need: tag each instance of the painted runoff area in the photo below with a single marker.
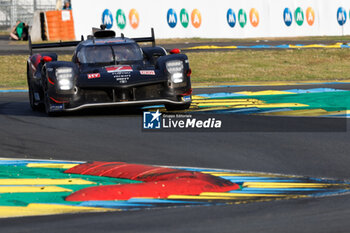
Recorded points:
(47, 187)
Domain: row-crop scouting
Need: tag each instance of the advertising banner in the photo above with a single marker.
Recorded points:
(214, 19)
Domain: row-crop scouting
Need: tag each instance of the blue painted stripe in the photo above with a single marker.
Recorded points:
(112, 204)
(9, 91)
(259, 180)
(252, 85)
(221, 95)
(313, 90)
(276, 110)
(330, 192)
(153, 106)
(283, 46)
(159, 201)
(272, 190)
(137, 203)
(25, 162)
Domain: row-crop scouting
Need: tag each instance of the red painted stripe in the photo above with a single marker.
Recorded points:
(160, 182)
(152, 189)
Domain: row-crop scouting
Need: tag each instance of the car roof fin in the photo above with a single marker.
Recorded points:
(104, 34)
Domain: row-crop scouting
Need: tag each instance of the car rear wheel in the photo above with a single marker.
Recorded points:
(175, 107)
(33, 104)
(47, 103)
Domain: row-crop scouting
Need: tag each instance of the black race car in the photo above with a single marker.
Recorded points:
(108, 71)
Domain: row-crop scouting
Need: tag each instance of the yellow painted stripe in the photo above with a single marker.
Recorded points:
(227, 100)
(303, 112)
(273, 105)
(243, 174)
(267, 92)
(51, 165)
(32, 189)
(227, 103)
(237, 197)
(306, 112)
(215, 194)
(266, 83)
(200, 197)
(44, 181)
(196, 97)
(337, 45)
(211, 109)
(46, 209)
(286, 185)
(212, 47)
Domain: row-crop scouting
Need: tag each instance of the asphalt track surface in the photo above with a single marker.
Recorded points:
(116, 136)
(8, 47)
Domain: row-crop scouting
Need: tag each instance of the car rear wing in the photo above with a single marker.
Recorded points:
(75, 43)
(146, 39)
(52, 45)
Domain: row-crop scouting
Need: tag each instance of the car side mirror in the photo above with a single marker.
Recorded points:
(46, 59)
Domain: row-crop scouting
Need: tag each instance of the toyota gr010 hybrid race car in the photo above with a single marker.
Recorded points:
(108, 71)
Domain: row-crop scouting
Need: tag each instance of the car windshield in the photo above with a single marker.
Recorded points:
(110, 54)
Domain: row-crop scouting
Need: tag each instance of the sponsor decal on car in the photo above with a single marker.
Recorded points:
(186, 98)
(94, 75)
(147, 72)
(114, 69)
(56, 107)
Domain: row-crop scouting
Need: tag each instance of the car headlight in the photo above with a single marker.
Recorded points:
(64, 77)
(175, 68)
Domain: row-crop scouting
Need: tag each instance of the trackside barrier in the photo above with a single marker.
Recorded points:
(215, 19)
(60, 25)
(53, 25)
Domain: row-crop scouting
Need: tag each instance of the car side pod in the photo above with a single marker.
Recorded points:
(158, 182)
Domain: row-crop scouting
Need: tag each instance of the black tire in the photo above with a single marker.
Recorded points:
(175, 107)
(33, 104)
(47, 104)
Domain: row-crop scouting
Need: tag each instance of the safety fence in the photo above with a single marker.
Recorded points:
(13, 10)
